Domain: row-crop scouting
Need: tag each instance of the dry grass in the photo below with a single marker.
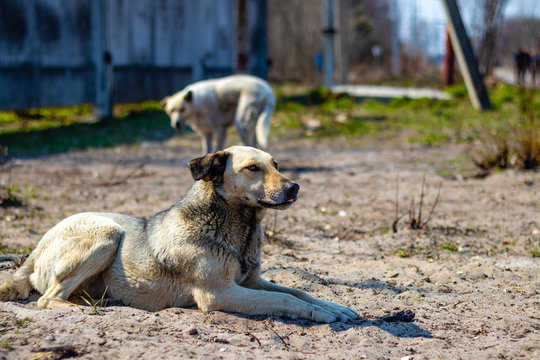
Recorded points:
(511, 142)
(415, 220)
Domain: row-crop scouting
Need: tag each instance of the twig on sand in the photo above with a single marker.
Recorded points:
(131, 175)
(253, 337)
(279, 337)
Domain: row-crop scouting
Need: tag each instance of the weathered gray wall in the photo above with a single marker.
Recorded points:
(50, 49)
(45, 52)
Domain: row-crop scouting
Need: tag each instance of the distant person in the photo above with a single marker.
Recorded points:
(522, 61)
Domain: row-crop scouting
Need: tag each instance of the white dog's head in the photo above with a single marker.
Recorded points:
(179, 107)
(247, 176)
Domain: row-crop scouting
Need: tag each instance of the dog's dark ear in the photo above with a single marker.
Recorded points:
(209, 167)
(163, 102)
(189, 96)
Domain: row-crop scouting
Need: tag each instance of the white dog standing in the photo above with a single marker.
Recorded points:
(211, 106)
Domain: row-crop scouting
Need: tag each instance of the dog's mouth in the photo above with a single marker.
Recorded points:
(275, 205)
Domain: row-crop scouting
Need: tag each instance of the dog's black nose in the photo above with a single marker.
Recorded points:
(292, 190)
(178, 125)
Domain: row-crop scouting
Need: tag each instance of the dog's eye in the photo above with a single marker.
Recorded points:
(181, 110)
(276, 165)
(253, 168)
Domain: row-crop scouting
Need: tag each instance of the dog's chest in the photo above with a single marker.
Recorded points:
(248, 256)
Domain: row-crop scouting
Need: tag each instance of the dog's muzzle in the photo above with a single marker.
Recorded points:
(291, 191)
(288, 195)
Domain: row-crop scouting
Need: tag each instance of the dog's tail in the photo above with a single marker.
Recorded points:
(18, 285)
(262, 131)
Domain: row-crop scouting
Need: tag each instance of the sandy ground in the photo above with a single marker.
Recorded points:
(469, 277)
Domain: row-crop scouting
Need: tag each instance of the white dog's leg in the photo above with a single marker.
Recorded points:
(221, 137)
(235, 298)
(245, 119)
(207, 142)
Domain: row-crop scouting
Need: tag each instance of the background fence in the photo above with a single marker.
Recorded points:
(64, 52)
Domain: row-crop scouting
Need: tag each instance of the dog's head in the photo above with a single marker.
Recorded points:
(247, 176)
(179, 107)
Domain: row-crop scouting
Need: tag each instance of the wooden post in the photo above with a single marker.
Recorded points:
(259, 51)
(329, 32)
(465, 56)
(449, 62)
(102, 63)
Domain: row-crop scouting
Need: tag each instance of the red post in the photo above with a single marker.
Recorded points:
(449, 60)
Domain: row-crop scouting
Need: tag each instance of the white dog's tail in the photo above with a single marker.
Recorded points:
(18, 285)
(262, 131)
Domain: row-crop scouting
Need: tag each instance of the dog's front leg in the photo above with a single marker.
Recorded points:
(239, 299)
(344, 313)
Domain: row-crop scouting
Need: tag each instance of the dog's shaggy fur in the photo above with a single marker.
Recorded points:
(204, 250)
(211, 106)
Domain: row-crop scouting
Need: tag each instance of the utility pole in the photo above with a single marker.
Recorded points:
(329, 31)
(465, 57)
(395, 38)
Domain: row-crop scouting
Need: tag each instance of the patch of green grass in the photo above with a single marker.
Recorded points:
(24, 322)
(21, 251)
(62, 130)
(458, 91)
(403, 254)
(502, 95)
(450, 247)
(6, 344)
(95, 304)
(30, 192)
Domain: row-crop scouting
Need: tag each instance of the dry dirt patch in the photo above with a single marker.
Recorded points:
(469, 277)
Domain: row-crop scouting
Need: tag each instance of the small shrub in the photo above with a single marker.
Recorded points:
(503, 94)
(457, 91)
(320, 95)
(415, 220)
(450, 247)
(508, 142)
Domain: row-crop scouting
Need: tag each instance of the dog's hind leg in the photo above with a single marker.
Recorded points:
(221, 137)
(206, 142)
(79, 248)
(245, 119)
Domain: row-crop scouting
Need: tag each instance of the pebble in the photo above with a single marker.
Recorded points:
(192, 331)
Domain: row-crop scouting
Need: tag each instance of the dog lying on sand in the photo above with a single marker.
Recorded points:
(205, 250)
(212, 106)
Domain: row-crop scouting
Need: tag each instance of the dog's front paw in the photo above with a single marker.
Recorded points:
(343, 313)
(322, 315)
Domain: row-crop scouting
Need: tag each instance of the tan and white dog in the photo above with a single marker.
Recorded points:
(204, 250)
(211, 106)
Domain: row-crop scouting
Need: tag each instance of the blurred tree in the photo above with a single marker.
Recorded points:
(489, 28)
